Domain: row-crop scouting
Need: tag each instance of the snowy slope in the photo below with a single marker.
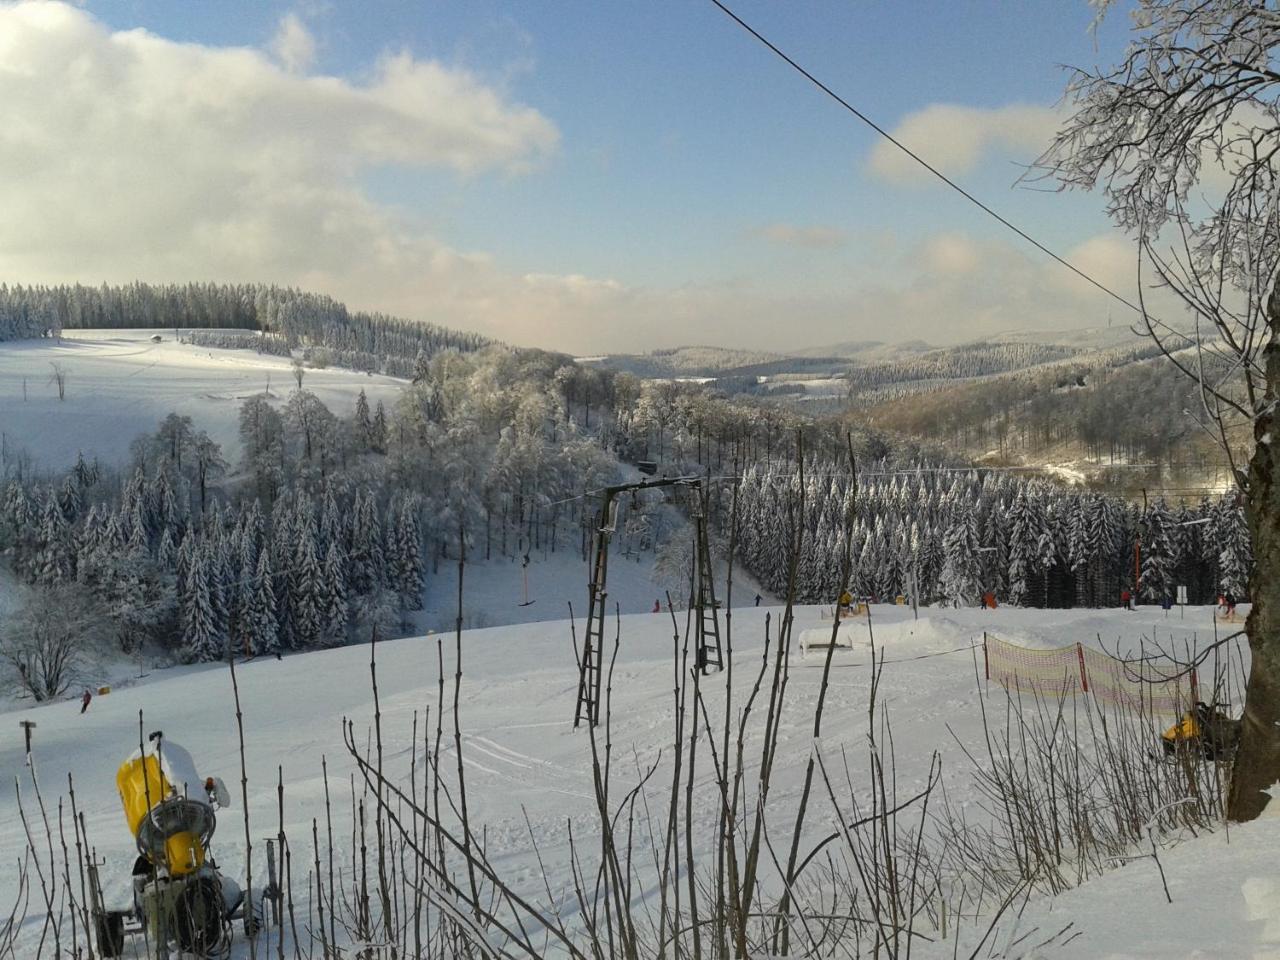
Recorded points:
(1225, 889)
(119, 384)
(494, 590)
(521, 752)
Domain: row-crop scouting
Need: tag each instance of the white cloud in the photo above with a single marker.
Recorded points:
(951, 253)
(954, 138)
(1109, 258)
(812, 236)
(127, 156)
(293, 44)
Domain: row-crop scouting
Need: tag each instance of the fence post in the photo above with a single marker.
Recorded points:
(986, 661)
(1084, 676)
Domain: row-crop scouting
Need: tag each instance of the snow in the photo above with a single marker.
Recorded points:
(1226, 903)
(494, 590)
(523, 756)
(1062, 472)
(120, 384)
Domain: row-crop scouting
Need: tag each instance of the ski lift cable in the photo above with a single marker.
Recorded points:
(924, 163)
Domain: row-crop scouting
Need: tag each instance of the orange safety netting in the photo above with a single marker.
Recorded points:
(1154, 688)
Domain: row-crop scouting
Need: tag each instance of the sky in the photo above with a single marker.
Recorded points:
(581, 175)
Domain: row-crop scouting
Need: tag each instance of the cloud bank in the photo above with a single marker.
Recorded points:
(813, 236)
(955, 138)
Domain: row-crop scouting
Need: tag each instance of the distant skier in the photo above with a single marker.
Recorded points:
(757, 599)
(989, 600)
(846, 603)
(657, 607)
(1126, 599)
(84, 701)
(1229, 601)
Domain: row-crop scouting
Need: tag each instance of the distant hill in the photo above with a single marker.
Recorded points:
(875, 363)
(693, 361)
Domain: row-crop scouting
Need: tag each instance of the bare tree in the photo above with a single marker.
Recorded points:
(58, 377)
(1182, 137)
(43, 642)
(209, 464)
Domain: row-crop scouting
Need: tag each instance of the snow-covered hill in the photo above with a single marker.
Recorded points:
(119, 384)
(524, 759)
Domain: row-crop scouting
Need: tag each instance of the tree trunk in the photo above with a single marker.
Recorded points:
(1257, 765)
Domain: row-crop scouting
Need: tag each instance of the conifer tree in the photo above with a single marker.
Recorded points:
(409, 547)
(307, 595)
(336, 613)
(201, 626)
(257, 624)
(55, 562)
(364, 425)
(961, 569)
(1022, 546)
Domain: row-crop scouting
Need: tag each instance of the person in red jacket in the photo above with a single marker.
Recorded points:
(657, 607)
(1125, 599)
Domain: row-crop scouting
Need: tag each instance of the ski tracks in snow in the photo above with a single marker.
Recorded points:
(513, 766)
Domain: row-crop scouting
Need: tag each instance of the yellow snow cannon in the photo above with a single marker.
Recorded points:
(179, 896)
(1204, 728)
(171, 823)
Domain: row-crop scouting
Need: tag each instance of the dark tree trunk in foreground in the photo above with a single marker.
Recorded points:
(1257, 765)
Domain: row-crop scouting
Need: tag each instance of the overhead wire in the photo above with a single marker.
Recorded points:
(923, 162)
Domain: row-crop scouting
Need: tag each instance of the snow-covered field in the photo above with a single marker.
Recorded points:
(120, 384)
(523, 757)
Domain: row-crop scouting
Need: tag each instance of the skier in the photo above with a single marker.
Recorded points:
(846, 601)
(84, 701)
(657, 607)
(1125, 599)
(757, 599)
(989, 600)
(1230, 601)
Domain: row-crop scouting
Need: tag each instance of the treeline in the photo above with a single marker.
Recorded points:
(945, 536)
(28, 313)
(287, 318)
(924, 525)
(955, 363)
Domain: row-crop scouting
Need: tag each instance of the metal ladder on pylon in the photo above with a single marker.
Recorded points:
(591, 666)
(710, 656)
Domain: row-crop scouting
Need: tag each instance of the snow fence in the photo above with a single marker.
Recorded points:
(1164, 689)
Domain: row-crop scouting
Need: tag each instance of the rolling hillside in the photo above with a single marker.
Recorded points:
(120, 384)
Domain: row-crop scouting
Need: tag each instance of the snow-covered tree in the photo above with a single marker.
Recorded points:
(258, 633)
(961, 568)
(202, 624)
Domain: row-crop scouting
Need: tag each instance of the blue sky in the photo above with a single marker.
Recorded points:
(669, 180)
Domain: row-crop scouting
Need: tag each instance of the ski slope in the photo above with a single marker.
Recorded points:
(120, 384)
(524, 759)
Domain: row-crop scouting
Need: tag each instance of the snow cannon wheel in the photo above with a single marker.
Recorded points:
(109, 931)
(198, 915)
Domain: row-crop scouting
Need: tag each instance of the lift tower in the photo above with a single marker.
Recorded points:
(706, 617)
